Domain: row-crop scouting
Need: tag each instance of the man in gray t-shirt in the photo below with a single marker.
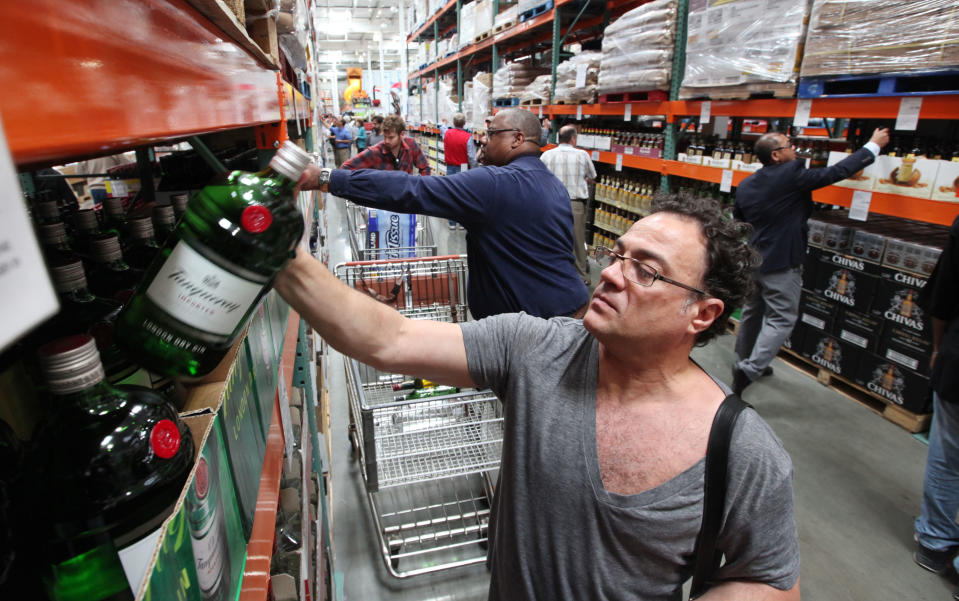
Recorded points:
(601, 484)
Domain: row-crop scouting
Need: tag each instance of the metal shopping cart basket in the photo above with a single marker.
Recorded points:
(357, 219)
(425, 461)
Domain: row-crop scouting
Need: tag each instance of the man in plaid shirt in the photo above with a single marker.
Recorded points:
(395, 153)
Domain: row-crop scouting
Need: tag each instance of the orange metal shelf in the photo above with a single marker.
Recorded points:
(610, 110)
(429, 22)
(933, 107)
(259, 551)
(706, 174)
(930, 211)
(86, 77)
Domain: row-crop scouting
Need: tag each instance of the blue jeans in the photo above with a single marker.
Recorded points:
(450, 170)
(936, 526)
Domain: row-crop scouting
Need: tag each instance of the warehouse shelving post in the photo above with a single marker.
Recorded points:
(676, 79)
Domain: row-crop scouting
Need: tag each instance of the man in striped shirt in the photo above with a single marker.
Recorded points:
(575, 169)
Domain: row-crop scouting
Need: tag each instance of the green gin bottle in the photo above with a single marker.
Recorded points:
(197, 296)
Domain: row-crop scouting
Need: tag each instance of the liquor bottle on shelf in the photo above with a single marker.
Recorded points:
(164, 220)
(55, 242)
(120, 455)
(820, 156)
(86, 226)
(179, 202)
(109, 272)
(197, 296)
(143, 247)
(114, 217)
(46, 211)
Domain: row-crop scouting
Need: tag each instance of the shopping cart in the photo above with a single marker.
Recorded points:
(425, 461)
(357, 219)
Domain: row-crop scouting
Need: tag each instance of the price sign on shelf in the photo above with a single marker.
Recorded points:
(908, 118)
(859, 210)
(581, 75)
(803, 108)
(722, 127)
(594, 155)
(541, 111)
(628, 112)
(619, 162)
(726, 185)
(579, 112)
(704, 111)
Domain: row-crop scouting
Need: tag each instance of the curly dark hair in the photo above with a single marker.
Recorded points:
(730, 261)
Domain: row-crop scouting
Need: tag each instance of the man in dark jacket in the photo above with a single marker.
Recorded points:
(937, 533)
(777, 201)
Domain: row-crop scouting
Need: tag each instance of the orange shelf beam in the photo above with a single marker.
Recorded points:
(933, 107)
(918, 209)
(259, 551)
(706, 174)
(163, 72)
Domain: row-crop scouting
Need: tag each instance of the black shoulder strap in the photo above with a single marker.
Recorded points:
(714, 495)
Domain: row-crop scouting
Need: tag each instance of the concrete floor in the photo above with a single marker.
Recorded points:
(858, 485)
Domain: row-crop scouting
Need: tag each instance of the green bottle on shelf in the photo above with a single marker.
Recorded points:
(197, 295)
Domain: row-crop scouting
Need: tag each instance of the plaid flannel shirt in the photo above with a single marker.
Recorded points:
(411, 158)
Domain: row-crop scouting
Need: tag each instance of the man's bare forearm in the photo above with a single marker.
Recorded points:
(749, 591)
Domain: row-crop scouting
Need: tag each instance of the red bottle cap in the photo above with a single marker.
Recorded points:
(165, 439)
(256, 219)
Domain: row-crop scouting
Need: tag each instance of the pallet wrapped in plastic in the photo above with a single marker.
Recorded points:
(513, 77)
(481, 100)
(638, 49)
(577, 78)
(537, 92)
(735, 42)
(853, 37)
(467, 23)
(484, 17)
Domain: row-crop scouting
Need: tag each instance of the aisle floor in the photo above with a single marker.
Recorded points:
(858, 485)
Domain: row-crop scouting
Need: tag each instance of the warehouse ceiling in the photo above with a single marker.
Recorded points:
(358, 32)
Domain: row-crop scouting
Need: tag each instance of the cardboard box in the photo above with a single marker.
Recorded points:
(837, 237)
(846, 286)
(817, 231)
(810, 267)
(829, 352)
(908, 348)
(861, 180)
(868, 246)
(928, 257)
(817, 312)
(896, 300)
(947, 182)
(894, 383)
(795, 340)
(859, 329)
(918, 186)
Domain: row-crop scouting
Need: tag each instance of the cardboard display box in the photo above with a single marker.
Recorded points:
(947, 182)
(894, 383)
(831, 353)
(861, 180)
(817, 311)
(859, 329)
(918, 185)
(896, 300)
(906, 347)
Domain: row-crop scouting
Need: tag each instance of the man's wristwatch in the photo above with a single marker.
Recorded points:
(323, 178)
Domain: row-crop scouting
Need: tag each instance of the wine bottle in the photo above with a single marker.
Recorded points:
(198, 294)
(110, 272)
(164, 221)
(143, 246)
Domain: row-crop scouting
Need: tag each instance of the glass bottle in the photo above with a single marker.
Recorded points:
(164, 221)
(114, 217)
(207, 526)
(820, 156)
(46, 211)
(179, 202)
(55, 241)
(86, 226)
(110, 272)
(119, 455)
(143, 246)
(198, 294)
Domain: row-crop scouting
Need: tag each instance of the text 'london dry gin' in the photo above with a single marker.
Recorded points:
(199, 292)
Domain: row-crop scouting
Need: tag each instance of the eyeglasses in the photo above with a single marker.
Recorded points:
(789, 144)
(636, 272)
(492, 132)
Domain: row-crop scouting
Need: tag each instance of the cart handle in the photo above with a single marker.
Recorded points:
(406, 260)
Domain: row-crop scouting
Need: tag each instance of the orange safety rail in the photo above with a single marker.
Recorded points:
(706, 174)
(86, 77)
(259, 551)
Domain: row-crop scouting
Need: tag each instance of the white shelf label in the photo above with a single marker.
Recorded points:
(117, 188)
(579, 112)
(581, 75)
(541, 111)
(908, 118)
(726, 185)
(628, 112)
(594, 155)
(619, 162)
(860, 205)
(722, 127)
(803, 108)
(704, 111)
(29, 297)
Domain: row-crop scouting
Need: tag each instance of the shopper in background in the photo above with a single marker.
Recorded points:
(777, 201)
(396, 152)
(375, 135)
(516, 213)
(600, 491)
(360, 135)
(459, 153)
(342, 141)
(937, 533)
(575, 169)
(544, 134)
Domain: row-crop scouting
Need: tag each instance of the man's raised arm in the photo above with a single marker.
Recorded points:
(363, 328)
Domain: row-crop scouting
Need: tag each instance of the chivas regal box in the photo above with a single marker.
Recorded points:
(810, 267)
(905, 346)
(831, 353)
(816, 233)
(868, 246)
(847, 281)
(861, 330)
(894, 383)
(817, 312)
(896, 300)
(837, 237)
